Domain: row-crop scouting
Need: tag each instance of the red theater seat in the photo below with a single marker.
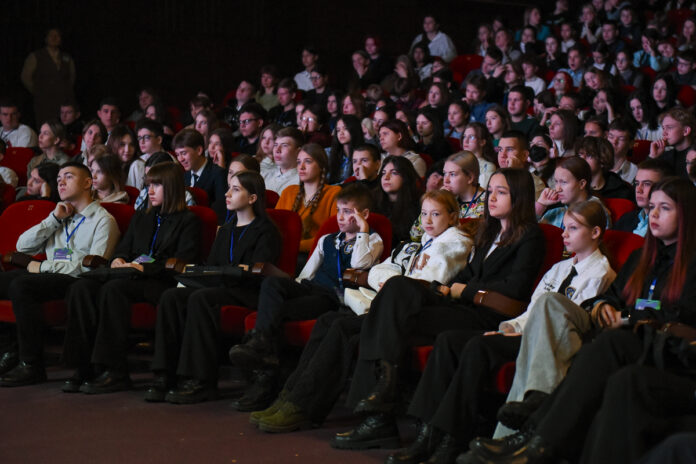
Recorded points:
(17, 158)
(618, 207)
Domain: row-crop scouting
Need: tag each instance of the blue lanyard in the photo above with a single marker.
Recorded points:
(68, 236)
(415, 259)
(473, 201)
(154, 238)
(232, 241)
(229, 216)
(652, 289)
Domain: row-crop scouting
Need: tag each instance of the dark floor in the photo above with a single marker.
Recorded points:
(41, 424)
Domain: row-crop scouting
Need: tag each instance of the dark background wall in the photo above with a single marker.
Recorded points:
(180, 47)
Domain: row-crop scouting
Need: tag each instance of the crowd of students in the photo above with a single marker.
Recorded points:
(465, 167)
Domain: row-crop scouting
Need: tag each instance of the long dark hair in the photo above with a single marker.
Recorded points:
(522, 215)
(405, 209)
(649, 110)
(357, 138)
(171, 177)
(253, 183)
(683, 193)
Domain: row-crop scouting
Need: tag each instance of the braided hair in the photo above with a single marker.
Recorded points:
(319, 156)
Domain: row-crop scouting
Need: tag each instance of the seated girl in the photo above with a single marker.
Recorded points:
(599, 154)
(395, 140)
(122, 142)
(264, 151)
(431, 140)
(348, 135)
(221, 146)
(478, 141)
(313, 200)
(450, 393)
(188, 322)
(107, 178)
(50, 136)
(94, 133)
(398, 199)
(99, 313)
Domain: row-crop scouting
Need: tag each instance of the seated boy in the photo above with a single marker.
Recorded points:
(188, 145)
(316, 290)
(77, 227)
(286, 147)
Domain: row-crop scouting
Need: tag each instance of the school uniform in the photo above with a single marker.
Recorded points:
(92, 231)
(404, 309)
(99, 314)
(327, 359)
(188, 319)
(462, 361)
(213, 179)
(316, 290)
(564, 419)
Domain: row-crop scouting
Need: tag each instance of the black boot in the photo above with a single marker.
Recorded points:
(8, 361)
(383, 397)
(447, 451)
(157, 390)
(420, 449)
(258, 351)
(534, 451)
(515, 413)
(81, 375)
(497, 447)
(378, 431)
(260, 394)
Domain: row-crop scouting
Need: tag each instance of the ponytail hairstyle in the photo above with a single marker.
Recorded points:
(580, 169)
(591, 214)
(467, 162)
(253, 183)
(683, 193)
(319, 156)
(522, 214)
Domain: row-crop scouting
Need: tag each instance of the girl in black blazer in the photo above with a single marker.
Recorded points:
(99, 314)
(188, 321)
(508, 254)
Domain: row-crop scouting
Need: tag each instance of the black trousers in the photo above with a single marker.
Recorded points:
(644, 405)
(187, 336)
(283, 299)
(404, 308)
(679, 448)
(402, 311)
(564, 419)
(458, 372)
(325, 364)
(27, 292)
(99, 319)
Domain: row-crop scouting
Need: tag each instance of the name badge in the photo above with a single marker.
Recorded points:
(62, 254)
(643, 304)
(144, 259)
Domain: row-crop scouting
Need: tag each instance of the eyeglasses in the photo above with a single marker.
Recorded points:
(246, 122)
(144, 138)
(308, 119)
(314, 78)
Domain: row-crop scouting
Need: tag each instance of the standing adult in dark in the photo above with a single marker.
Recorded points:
(49, 75)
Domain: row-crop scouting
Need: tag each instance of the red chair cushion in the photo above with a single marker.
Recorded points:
(232, 319)
(420, 356)
(143, 316)
(54, 312)
(504, 377)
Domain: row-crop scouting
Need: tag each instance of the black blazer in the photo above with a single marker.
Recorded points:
(260, 243)
(214, 181)
(179, 237)
(683, 310)
(510, 270)
(628, 222)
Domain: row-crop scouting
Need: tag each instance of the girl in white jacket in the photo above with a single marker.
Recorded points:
(311, 391)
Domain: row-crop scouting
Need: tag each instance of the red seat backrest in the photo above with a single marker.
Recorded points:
(463, 64)
(209, 226)
(290, 227)
(641, 150)
(377, 222)
(132, 192)
(618, 207)
(199, 195)
(620, 245)
(687, 96)
(554, 249)
(17, 158)
(271, 198)
(122, 213)
(454, 143)
(427, 158)
(18, 217)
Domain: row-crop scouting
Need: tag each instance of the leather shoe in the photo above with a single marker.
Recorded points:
(288, 418)
(73, 384)
(420, 449)
(378, 431)
(256, 416)
(446, 452)
(534, 451)
(259, 351)
(515, 413)
(191, 391)
(157, 390)
(23, 374)
(8, 361)
(496, 447)
(107, 382)
(260, 394)
(383, 398)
